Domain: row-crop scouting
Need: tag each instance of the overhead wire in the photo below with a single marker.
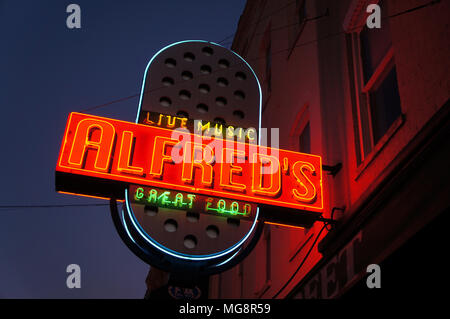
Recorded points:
(219, 42)
(301, 264)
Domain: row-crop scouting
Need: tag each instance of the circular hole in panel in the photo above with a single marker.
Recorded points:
(186, 75)
(223, 63)
(189, 56)
(182, 113)
(222, 82)
(219, 120)
(150, 210)
(170, 63)
(204, 88)
(170, 225)
(240, 76)
(205, 69)
(167, 81)
(190, 241)
(239, 114)
(202, 108)
(208, 51)
(185, 95)
(239, 95)
(192, 217)
(165, 101)
(212, 231)
(221, 101)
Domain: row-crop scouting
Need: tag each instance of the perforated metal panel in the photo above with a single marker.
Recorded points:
(204, 81)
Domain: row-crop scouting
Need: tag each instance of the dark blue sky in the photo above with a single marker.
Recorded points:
(47, 71)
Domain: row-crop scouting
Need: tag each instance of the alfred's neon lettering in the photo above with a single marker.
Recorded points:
(118, 151)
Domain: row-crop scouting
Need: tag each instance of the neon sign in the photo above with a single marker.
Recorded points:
(190, 202)
(221, 207)
(113, 153)
(164, 198)
(218, 174)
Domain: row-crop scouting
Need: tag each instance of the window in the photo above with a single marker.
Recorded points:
(374, 43)
(300, 132)
(377, 101)
(385, 105)
(304, 141)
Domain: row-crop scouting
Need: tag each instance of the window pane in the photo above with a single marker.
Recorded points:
(305, 140)
(375, 43)
(365, 126)
(385, 105)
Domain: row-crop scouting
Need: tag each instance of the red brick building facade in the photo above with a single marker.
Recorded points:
(375, 101)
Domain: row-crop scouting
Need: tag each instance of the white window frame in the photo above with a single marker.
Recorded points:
(353, 24)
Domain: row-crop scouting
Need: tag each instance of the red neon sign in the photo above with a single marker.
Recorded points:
(105, 152)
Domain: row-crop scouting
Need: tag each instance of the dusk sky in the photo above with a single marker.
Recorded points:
(47, 71)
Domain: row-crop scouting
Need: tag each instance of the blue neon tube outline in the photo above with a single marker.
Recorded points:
(227, 260)
(126, 228)
(136, 224)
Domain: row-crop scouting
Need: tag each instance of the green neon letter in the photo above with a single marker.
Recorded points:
(152, 196)
(164, 198)
(178, 200)
(221, 205)
(247, 209)
(234, 208)
(192, 198)
(139, 193)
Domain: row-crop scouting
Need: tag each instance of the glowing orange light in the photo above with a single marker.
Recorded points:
(191, 160)
(284, 225)
(228, 170)
(309, 191)
(275, 175)
(125, 155)
(83, 140)
(118, 153)
(159, 155)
